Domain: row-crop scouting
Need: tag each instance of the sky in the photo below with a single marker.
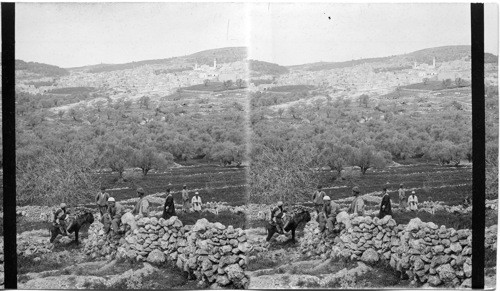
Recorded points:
(78, 34)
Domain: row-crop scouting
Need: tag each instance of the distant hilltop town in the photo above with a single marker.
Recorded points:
(166, 76)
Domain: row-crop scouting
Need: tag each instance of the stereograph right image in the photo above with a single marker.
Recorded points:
(250, 145)
(362, 146)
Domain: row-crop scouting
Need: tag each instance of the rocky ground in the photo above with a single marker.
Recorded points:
(65, 266)
(280, 265)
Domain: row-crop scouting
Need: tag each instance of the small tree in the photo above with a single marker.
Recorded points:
(425, 81)
(74, 114)
(60, 113)
(240, 83)
(336, 157)
(446, 83)
(281, 111)
(147, 158)
(367, 157)
(459, 82)
(364, 100)
(144, 101)
(228, 84)
(127, 104)
(206, 82)
(117, 157)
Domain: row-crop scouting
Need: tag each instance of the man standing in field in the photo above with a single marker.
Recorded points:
(196, 201)
(413, 201)
(402, 198)
(185, 199)
(142, 206)
(115, 211)
(385, 205)
(101, 200)
(357, 205)
(169, 207)
(318, 199)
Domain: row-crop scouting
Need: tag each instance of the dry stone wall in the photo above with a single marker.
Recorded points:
(426, 252)
(211, 252)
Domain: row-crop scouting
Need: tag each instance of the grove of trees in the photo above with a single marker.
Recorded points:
(117, 135)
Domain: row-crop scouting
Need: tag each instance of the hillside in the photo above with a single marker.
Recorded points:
(40, 69)
(320, 66)
(258, 68)
(442, 54)
(223, 55)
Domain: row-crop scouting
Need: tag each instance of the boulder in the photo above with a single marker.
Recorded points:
(222, 280)
(244, 247)
(343, 217)
(234, 272)
(129, 219)
(446, 273)
(370, 256)
(219, 226)
(456, 247)
(434, 280)
(156, 257)
(201, 225)
(467, 270)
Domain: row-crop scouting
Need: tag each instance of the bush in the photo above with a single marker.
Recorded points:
(50, 177)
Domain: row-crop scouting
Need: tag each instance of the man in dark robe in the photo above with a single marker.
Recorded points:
(385, 205)
(169, 207)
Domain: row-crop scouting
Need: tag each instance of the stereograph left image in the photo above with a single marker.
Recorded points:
(249, 146)
(131, 145)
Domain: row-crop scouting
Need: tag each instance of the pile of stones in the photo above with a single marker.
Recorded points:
(34, 242)
(425, 252)
(211, 252)
(100, 246)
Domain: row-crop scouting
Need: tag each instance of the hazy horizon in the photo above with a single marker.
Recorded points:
(83, 34)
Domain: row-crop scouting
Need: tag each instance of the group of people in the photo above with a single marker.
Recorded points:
(194, 204)
(404, 204)
(327, 209)
(112, 211)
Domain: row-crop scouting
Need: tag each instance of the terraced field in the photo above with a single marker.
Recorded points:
(213, 182)
(448, 184)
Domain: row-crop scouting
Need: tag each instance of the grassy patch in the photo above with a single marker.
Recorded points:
(382, 275)
(72, 90)
(168, 276)
(27, 264)
(212, 87)
(260, 263)
(291, 88)
(436, 85)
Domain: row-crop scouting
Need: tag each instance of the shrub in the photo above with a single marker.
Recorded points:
(49, 177)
